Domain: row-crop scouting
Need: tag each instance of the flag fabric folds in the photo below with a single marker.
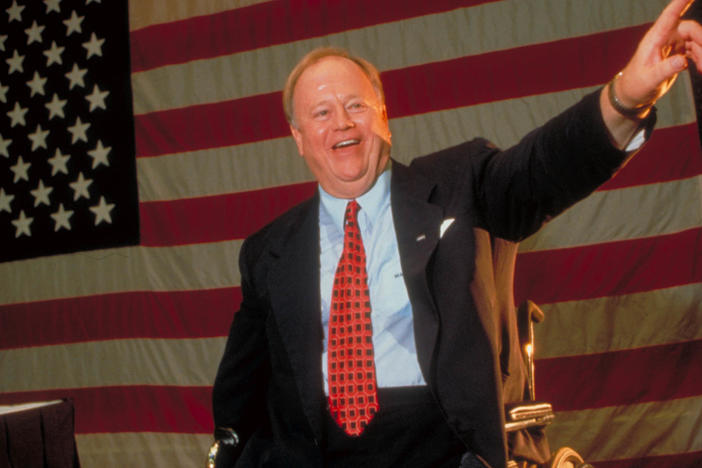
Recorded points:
(133, 333)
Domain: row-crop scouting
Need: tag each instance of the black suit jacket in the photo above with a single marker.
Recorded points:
(269, 384)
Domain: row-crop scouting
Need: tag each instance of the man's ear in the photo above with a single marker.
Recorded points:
(297, 136)
(384, 117)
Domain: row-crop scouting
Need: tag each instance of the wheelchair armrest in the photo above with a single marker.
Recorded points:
(226, 440)
(525, 414)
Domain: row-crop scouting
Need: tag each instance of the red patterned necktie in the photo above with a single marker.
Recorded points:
(353, 398)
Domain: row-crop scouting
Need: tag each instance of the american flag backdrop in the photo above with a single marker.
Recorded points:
(124, 305)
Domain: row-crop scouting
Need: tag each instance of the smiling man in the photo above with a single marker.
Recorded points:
(338, 120)
(370, 331)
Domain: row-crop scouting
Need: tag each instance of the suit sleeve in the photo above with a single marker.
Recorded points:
(550, 169)
(239, 389)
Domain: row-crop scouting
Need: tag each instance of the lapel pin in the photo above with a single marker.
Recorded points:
(421, 237)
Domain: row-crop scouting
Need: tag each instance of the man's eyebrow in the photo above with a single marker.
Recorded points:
(343, 99)
(318, 104)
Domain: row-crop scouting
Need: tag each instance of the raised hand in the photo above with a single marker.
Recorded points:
(662, 54)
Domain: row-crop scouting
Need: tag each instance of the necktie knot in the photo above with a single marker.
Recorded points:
(351, 213)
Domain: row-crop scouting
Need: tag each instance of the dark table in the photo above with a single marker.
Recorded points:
(38, 435)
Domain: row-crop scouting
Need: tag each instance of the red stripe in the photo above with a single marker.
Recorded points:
(132, 408)
(671, 153)
(187, 221)
(609, 269)
(677, 460)
(618, 378)
(270, 23)
(226, 123)
(138, 314)
(507, 74)
(409, 91)
(217, 218)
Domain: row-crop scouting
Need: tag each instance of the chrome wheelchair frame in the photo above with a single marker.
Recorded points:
(532, 413)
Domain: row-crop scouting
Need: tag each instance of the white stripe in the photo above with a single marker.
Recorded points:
(143, 13)
(178, 362)
(633, 431)
(142, 449)
(463, 32)
(663, 316)
(623, 214)
(198, 266)
(240, 168)
(276, 162)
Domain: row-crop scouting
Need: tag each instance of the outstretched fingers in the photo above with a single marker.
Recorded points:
(671, 16)
(691, 33)
(670, 42)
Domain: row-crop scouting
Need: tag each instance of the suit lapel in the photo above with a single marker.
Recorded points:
(294, 287)
(417, 228)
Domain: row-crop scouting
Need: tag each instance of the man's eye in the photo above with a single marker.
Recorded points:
(356, 106)
(321, 113)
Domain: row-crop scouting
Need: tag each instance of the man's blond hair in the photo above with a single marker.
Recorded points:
(315, 56)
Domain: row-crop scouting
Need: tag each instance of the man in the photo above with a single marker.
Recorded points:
(434, 356)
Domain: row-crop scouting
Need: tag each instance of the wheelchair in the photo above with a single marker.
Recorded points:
(529, 414)
(533, 414)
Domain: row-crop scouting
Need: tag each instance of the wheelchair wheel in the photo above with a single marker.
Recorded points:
(566, 457)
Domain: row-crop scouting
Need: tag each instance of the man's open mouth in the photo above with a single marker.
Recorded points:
(346, 143)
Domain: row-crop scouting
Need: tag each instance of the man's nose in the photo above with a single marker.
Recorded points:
(343, 119)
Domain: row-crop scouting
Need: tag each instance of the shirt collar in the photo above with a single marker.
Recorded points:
(371, 202)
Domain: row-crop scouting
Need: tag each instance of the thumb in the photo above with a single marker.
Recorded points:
(667, 70)
(671, 66)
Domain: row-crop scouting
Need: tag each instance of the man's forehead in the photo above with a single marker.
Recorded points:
(333, 70)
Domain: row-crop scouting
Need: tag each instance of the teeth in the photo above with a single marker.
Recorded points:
(345, 143)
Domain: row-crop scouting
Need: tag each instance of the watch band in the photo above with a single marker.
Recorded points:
(631, 112)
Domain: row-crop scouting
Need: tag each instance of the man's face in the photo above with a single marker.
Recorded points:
(341, 128)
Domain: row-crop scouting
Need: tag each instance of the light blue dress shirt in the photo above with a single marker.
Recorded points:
(393, 331)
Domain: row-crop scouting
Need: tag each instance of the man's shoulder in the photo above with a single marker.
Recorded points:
(457, 154)
(282, 226)
(455, 162)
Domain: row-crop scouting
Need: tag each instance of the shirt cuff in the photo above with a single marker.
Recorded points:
(643, 133)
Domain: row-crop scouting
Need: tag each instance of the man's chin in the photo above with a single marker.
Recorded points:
(350, 187)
